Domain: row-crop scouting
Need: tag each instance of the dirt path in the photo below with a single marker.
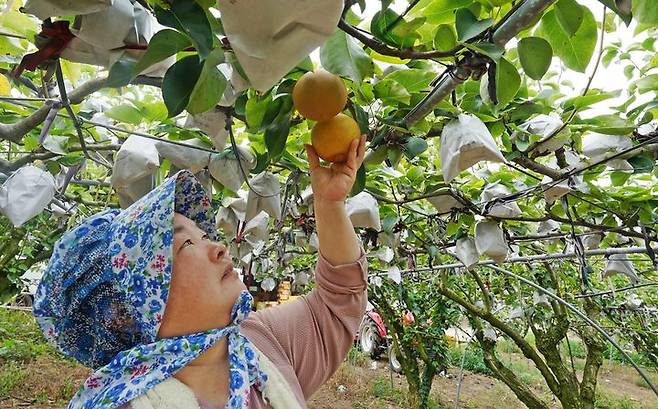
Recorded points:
(48, 383)
(478, 391)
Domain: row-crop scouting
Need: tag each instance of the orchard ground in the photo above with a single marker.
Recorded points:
(34, 375)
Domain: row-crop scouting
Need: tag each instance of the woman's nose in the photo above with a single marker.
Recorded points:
(217, 251)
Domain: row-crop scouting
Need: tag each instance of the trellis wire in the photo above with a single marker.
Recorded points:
(567, 175)
(616, 290)
(27, 99)
(145, 135)
(543, 257)
(588, 320)
(10, 35)
(106, 126)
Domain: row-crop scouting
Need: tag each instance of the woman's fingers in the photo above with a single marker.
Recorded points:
(361, 151)
(352, 155)
(313, 159)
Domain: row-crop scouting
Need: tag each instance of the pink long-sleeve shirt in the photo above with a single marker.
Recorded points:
(307, 339)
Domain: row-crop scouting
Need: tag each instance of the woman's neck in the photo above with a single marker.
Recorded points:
(208, 375)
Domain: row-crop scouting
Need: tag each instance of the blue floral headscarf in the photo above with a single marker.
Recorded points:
(103, 295)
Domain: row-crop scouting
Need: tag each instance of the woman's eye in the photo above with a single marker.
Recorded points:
(205, 237)
(187, 242)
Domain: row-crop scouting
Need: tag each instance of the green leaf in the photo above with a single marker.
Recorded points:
(362, 119)
(121, 73)
(647, 83)
(645, 11)
(445, 38)
(575, 50)
(468, 26)
(535, 54)
(206, 3)
(360, 181)
(164, 44)
(387, 26)
(53, 167)
(570, 15)
(521, 144)
(388, 223)
(642, 163)
(591, 98)
(30, 142)
(189, 18)
(276, 136)
(210, 86)
(414, 146)
(377, 156)
(491, 50)
(255, 109)
(10, 46)
(178, 83)
(413, 79)
(71, 71)
(508, 81)
(442, 11)
(623, 12)
(392, 91)
(262, 162)
(343, 56)
(71, 159)
(152, 111)
(394, 154)
(618, 178)
(56, 144)
(125, 113)
(452, 228)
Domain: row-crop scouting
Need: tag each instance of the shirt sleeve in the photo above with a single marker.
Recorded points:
(315, 332)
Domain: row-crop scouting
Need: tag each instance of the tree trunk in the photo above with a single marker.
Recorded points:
(505, 375)
(426, 385)
(595, 346)
(547, 343)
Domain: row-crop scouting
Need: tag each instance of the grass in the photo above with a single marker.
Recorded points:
(23, 351)
(473, 361)
(356, 358)
(21, 339)
(11, 376)
(639, 381)
(382, 389)
(26, 355)
(606, 401)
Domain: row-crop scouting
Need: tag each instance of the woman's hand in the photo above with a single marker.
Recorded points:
(332, 183)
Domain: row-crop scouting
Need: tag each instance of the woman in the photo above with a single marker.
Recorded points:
(102, 301)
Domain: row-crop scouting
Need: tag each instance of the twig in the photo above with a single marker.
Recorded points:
(384, 49)
(441, 192)
(236, 152)
(67, 106)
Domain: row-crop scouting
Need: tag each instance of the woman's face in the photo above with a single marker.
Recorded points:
(203, 286)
